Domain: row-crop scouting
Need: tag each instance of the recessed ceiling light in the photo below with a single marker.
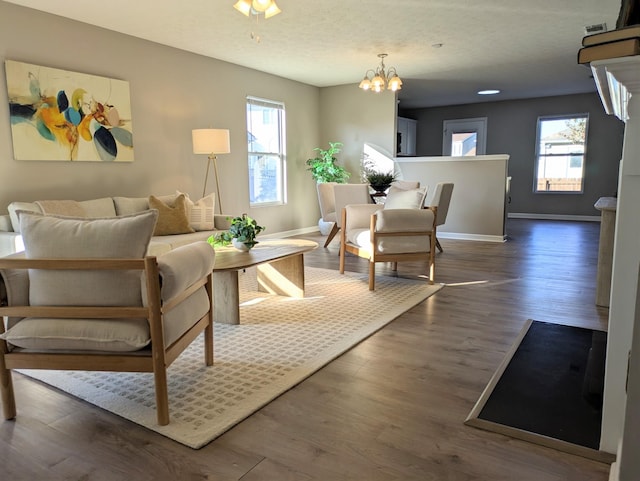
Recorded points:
(488, 92)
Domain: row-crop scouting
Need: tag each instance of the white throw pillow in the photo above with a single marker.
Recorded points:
(61, 237)
(405, 199)
(201, 214)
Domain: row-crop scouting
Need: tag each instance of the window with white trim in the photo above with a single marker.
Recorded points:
(561, 153)
(266, 148)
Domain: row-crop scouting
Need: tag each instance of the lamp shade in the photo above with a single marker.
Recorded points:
(210, 141)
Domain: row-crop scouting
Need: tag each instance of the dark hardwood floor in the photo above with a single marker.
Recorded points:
(392, 408)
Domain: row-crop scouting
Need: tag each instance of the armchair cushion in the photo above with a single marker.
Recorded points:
(394, 221)
(405, 199)
(404, 220)
(64, 237)
(172, 219)
(359, 215)
(120, 335)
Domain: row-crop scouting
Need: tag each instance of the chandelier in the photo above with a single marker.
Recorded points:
(268, 8)
(379, 79)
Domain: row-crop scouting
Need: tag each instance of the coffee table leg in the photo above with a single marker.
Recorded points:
(226, 298)
(284, 277)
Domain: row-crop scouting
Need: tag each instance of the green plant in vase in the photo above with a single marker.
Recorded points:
(324, 167)
(241, 234)
(379, 180)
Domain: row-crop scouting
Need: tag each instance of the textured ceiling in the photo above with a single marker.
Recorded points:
(525, 48)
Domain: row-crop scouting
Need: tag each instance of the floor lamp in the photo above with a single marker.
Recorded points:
(211, 142)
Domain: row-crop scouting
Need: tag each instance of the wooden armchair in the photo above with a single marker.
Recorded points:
(71, 304)
(404, 232)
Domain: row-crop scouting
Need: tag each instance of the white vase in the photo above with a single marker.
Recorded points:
(325, 227)
(241, 246)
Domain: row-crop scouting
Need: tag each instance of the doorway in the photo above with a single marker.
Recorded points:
(464, 137)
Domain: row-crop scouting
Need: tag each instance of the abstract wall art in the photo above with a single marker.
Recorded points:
(61, 115)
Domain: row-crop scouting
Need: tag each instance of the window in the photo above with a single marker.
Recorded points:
(560, 153)
(265, 137)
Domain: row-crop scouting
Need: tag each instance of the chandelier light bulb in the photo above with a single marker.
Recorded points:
(260, 5)
(378, 80)
(268, 8)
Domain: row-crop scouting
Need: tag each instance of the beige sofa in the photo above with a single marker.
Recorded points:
(200, 214)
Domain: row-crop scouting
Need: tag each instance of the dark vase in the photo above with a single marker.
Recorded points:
(380, 189)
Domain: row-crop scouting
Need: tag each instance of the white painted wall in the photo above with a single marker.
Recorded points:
(477, 210)
(355, 117)
(172, 92)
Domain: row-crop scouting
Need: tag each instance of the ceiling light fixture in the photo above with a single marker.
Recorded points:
(381, 79)
(268, 8)
(488, 92)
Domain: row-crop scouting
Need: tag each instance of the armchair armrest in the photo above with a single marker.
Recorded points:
(182, 267)
(358, 216)
(405, 220)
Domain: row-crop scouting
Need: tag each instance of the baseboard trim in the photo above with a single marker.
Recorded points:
(580, 218)
(471, 237)
(291, 233)
(441, 235)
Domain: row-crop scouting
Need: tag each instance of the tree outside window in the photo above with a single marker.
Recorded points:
(265, 140)
(561, 150)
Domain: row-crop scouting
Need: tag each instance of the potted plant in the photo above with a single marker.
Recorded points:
(379, 180)
(241, 234)
(324, 168)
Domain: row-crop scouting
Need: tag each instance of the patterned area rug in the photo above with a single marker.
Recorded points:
(280, 341)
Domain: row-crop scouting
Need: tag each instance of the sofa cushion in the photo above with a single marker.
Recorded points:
(133, 205)
(14, 207)
(405, 199)
(102, 207)
(202, 212)
(171, 219)
(63, 237)
(71, 208)
(120, 335)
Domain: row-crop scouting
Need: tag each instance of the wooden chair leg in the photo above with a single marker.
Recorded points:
(208, 331)
(334, 230)
(7, 394)
(432, 258)
(343, 242)
(372, 275)
(162, 396)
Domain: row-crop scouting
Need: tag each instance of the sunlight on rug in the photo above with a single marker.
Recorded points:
(280, 341)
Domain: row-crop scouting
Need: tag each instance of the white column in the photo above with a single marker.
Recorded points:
(616, 79)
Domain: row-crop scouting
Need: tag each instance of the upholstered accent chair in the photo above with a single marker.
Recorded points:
(439, 203)
(400, 230)
(327, 203)
(83, 296)
(344, 194)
